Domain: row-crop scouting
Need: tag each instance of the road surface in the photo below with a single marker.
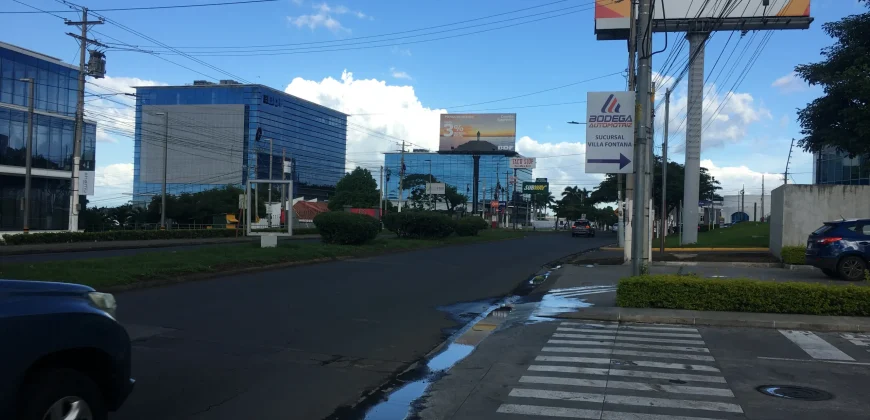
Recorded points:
(300, 343)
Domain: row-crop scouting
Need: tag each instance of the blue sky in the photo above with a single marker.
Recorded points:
(402, 88)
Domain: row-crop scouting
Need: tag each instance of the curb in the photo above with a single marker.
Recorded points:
(799, 267)
(689, 250)
(714, 322)
(109, 246)
(715, 264)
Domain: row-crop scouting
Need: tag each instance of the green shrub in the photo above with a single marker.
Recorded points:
(470, 226)
(338, 227)
(420, 224)
(742, 295)
(116, 235)
(794, 255)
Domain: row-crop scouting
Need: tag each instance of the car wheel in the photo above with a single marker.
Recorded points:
(831, 273)
(62, 394)
(852, 268)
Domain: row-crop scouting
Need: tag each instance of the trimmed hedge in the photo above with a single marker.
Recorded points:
(338, 227)
(470, 226)
(794, 255)
(741, 295)
(420, 224)
(115, 235)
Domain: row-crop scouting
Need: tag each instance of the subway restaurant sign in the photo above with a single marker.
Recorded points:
(536, 187)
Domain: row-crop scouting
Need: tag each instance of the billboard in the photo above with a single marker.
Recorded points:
(612, 16)
(536, 188)
(610, 132)
(459, 131)
(522, 163)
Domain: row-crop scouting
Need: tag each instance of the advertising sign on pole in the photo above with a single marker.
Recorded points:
(436, 188)
(536, 188)
(609, 132)
(288, 167)
(86, 182)
(522, 163)
(457, 130)
(541, 179)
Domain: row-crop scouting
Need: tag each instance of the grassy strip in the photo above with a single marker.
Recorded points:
(116, 271)
(741, 235)
(742, 295)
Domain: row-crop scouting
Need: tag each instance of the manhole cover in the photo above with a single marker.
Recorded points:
(795, 392)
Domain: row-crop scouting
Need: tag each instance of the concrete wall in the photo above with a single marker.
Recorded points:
(798, 210)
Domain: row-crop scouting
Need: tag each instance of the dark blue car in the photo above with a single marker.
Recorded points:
(62, 353)
(841, 248)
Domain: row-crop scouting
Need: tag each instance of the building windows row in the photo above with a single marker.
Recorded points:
(49, 205)
(52, 141)
(836, 168)
(55, 89)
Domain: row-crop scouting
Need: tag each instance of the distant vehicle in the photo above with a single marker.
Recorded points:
(841, 248)
(64, 356)
(615, 227)
(582, 228)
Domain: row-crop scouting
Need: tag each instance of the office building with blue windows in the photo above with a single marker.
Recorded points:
(457, 170)
(218, 134)
(56, 92)
(837, 168)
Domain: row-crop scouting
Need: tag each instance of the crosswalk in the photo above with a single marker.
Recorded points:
(599, 370)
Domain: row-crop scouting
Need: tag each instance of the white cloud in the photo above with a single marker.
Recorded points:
(381, 115)
(324, 17)
(112, 184)
(297, 2)
(726, 117)
(790, 83)
(114, 112)
(563, 163)
(733, 178)
(400, 74)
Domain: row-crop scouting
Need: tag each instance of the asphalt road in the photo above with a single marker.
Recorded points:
(301, 342)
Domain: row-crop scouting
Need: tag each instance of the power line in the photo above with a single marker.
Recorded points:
(125, 9)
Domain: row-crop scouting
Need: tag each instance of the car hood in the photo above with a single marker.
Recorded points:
(11, 286)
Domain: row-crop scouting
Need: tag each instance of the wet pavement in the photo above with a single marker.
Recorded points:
(323, 341)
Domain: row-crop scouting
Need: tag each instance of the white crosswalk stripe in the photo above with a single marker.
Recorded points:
(613, 371)
(816, 346)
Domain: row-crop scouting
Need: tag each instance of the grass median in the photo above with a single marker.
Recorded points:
(162, 265)
(742, 295)
(740, 235)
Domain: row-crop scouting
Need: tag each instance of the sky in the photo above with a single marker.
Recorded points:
(537, 59)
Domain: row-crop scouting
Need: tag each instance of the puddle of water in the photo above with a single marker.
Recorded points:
(559, 301)
(405, 400)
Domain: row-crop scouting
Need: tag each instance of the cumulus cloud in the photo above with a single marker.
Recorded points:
(733, 178)
(114, 113)
(562, 163)
(324, 16)
(381, 115)
(112, 184)
(790, 83)
(399, 74)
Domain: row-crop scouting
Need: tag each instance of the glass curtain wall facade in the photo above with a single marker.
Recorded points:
(56, 86)
(312, 137)
(833, 167)
(458, 171)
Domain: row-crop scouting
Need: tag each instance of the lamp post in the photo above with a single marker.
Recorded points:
(165, 154)
(28, 159)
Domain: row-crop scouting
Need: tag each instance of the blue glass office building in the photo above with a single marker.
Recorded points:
(219, 134)
(833, 167)
(56, 89)
(456, 170)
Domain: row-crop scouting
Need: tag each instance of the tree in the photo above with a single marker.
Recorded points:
(841, 117)
(418, 199)
(542, 201)
(356, 189)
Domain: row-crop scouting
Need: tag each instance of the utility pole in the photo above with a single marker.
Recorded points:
(28, 159)
(165, 164)
(271, 144)
(787, 162)
(401, 175)
(762, 198)
(644, 82)
(711, 205)
(431, 196)
(80, 114)
(625, 187)
(513, 194)
(381, 198)
(663, 229)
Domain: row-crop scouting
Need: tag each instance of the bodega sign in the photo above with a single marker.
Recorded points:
(610, 132)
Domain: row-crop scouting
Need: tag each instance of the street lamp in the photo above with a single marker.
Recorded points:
(165, 154)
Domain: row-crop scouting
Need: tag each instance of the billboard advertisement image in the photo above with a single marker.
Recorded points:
(460, 132)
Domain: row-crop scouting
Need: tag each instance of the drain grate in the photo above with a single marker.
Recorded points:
(795, 392)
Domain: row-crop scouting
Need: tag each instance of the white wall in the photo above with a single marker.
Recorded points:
(798, 210)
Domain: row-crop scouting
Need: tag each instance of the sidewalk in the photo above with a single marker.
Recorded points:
(614, 256)
(111, 245)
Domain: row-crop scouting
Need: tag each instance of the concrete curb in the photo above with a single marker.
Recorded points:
(820, 325)
(8, 250)
(699, 249)
(715, 264)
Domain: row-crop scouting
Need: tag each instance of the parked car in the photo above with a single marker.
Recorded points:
(64, 356)
(841, 248)
(582, 228)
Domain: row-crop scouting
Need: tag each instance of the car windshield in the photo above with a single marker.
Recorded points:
(823, 229)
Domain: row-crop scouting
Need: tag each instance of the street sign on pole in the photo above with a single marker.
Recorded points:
(610, 132)
(540, 179)
(522, 163)
(437, 188)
